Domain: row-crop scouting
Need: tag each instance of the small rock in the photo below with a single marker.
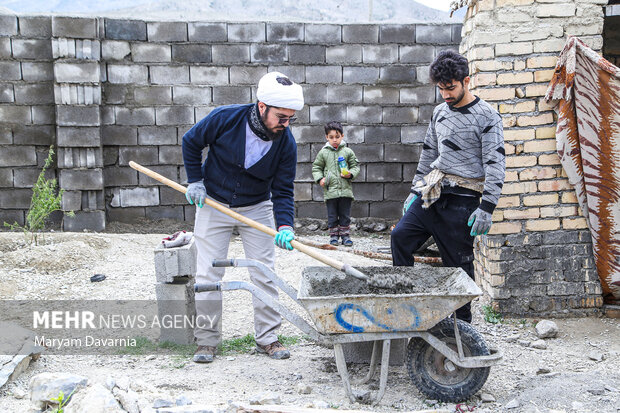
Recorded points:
(109, 383)
(487, 398)
(151, 357)
(513, 338)
(514, 403)
(546, 329)
(611, 389)
(182, 401)
(320, 404)
(128, 400)
(158, 403)
(265, 398)
(312, 227)
(230, 358)
(123, 383)
(524, 343)
(94, 399)
(304, 388)
(46, 386)
(19, 393)
(543, 370)
(380, 226)
(596, 355)
(539, 344)
(362, 396)
(578, 406)
(597, 391)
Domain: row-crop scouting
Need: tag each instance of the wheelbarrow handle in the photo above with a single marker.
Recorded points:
(199, 288)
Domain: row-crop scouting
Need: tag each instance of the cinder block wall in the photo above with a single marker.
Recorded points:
(538, 258)
(109, 91)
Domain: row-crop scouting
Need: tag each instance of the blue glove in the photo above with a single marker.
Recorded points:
(284, 237)
(481, 221)
(196, 193)
(412, 197)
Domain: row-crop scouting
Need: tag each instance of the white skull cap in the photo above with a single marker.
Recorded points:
(276, 89)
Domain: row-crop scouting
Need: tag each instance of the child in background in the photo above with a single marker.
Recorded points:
(334, 168)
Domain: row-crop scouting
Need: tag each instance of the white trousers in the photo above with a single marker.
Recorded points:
(212, 232)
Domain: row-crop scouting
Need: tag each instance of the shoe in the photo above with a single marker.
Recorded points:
(204, 354)
(274, 350)
(333, 240)
(346, 241)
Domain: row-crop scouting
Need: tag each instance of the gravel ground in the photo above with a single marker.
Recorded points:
(579, 371)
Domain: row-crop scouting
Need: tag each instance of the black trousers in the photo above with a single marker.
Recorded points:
(338, 212)
(446, 220)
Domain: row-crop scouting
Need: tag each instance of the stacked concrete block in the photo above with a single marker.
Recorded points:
(537, 258)
(175, 270)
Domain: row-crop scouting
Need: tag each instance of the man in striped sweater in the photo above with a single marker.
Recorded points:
(459, 177)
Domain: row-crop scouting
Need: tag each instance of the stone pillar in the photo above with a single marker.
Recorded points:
(538, 258)
(77, 94)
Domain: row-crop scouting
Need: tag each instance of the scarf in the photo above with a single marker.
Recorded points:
(430, 186)
(259, 128)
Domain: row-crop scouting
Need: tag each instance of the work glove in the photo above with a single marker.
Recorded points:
(412, 197)
(480, 222)
(284, 237)
(196, 193)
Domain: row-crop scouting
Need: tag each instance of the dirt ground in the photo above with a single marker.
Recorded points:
(568, 376)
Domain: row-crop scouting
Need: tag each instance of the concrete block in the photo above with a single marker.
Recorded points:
(74, 27)
(77, 72)
(153, 95)
(230, 53)
(241, 75)
(6, 93)
(166, 31)
(10, 71)
(6, 178)
(413, 133)
(129, 215)
(191, 53)
(303, 153)
(169, 75)
(12, 216)
(140, 154)
(364, 75)
(191, 95)
(27, 177)
(127, 74)
(71, 201)
(146, 52)
(208, 75)
(397, 33)
(298, 53)
(246, 32)
(383, 172)
(324, 114)
(77, 94)
(364, 114)
(125, 29)
(38, 49)
(169, 196)
(285, 32)
(322, 33)
(110, 156)
(165, 212)
(344, 54)
(344, 94)
(5, 47)
(134, 117)
(417, 54)
(393, 114)
(207, 32)
(422, 74)
(433, 33)
(397, 74)
(176, 301)
(171, 263)
(227, 95)
(15, 198)
(35, 26)
(15, 114)
(323, 74)
(119, 135)
(78, 137)
(310, 209)
(89, 179)
(386, 209)
(115, 50)
(380, 95)
(78, 115)
(425, 113)
(364, 191)
(174, 115)
(268, 53)
(91, 220)
(17, 156)
(387, 53)
(169, 171)
(315, 94)
(396, 192)
(307, 134)
(456, 33)
(367, 153)
(303, 192)
(402, 153)
(360, 33)
(382, 134)
(34, 94)
(119, 176)
(8, 25)
(80, 158)
(6, 134)
(418, 95)
(37, 72)
(33, 135)
(156, 135)
(132, 197)
(170, 155)
(200, 112)
(296, 73)
(354, 134)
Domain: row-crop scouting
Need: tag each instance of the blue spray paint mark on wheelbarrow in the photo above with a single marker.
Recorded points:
(342, 308)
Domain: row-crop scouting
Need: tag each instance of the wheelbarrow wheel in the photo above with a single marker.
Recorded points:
(438, 378)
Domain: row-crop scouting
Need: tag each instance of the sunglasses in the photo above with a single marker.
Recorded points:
(283, 120)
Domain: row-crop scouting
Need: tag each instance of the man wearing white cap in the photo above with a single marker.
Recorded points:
(250, 168)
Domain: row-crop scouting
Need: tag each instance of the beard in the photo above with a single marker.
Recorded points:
(272, 133)
(456, 99)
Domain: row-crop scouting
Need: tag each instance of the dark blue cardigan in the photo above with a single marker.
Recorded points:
(225, 177)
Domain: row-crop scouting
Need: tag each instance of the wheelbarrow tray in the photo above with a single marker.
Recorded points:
(340, 304)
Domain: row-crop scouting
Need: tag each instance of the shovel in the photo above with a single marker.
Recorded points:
(346, 268)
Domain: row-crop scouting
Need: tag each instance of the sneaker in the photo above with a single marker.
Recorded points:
(274, 350)
(333, 240)
(346, 241)
(204, 354)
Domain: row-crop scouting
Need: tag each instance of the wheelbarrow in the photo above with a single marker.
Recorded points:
(447, 359)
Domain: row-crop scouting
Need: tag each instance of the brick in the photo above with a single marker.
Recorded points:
(306, 54)
(268, 53)
(520, 161)
(537, 200)
(8, 25)
(382, 134)
(323, 74)
(344, 54)
(166, 31)
(208, 75)
(397, 74)
(483, 79)
(73, 27)
(139, 154)
(73, 179)
(119, 135)
(543, 119)
(416, 54)
(115, 50)
(521, 107)
(513, 49)
(433, 34)
(134, 116)
(559, 211)
(397, 33)
(230, 53)
(173, 115)
(402, 153)
(555, 10)
(207, 32)
(557, 185)
(537, 173)
(126, 74)
(541, 62)
(569, 198)
(380, 95)
(540, 145)
(505, 228)
(315, 94)
(365, 75)
(322, 33)
(344, 94)
(574, 223)
(35, 26)
(492, 37)
(324, 114)
(413, 134)
(246, 32)
(519, 188)
(379, 53)
(285, 32)
(536, 90)
(171, 75)
(519, 134)
(514, 78)
(364, 114)
(79, 137)
(544, 106)
(545, 133)
(508, 202)
(550, 159)
(226, 95)
(360, 33)
(530, 213)
(400, 115)
(125, 29)
(39, 49)
(501, 93)
(551, 45)
(483, 53)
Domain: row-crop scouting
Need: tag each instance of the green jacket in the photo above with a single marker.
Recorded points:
(326, 166)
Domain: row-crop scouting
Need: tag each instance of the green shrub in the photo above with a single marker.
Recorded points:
(490, 315)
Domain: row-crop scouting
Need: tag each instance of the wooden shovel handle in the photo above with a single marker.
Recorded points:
(256, 225)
